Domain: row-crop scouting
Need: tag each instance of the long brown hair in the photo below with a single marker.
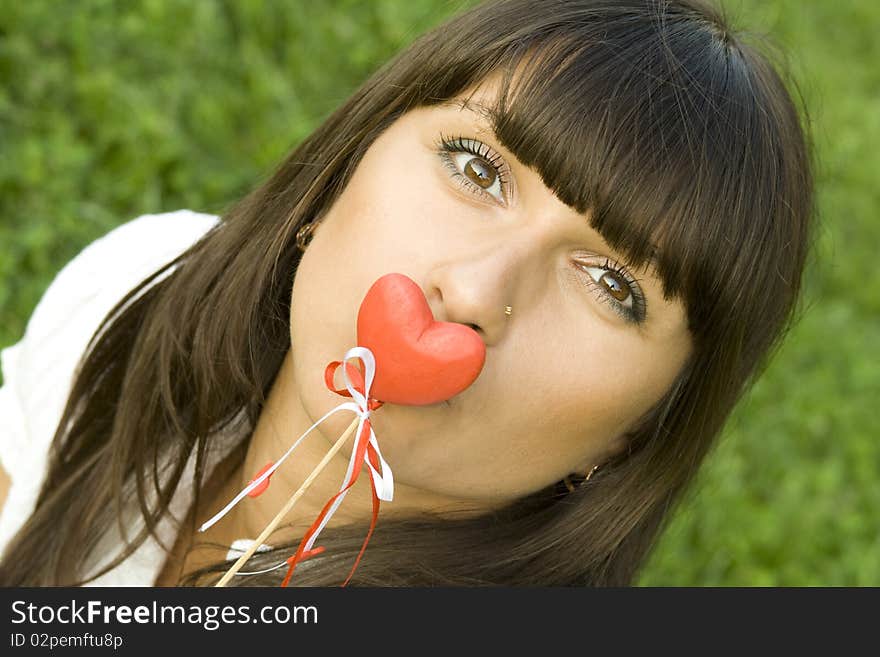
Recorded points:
(654, 116)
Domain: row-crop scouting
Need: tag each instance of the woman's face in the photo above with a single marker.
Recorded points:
(585, 352)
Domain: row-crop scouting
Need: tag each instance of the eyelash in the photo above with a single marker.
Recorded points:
(446, 146)
(634, 315)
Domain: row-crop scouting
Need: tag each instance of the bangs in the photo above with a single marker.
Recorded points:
(657, 139)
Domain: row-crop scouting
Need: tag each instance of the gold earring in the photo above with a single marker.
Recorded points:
(304, 235)
(570, 486)
(508, 310)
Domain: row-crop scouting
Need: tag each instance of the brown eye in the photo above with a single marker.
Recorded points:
(616, 286)
(480, 172)
(475, 167)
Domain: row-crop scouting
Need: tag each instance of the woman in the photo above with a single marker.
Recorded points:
(616, 195)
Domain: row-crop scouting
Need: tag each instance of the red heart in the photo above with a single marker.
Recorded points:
(419, 361)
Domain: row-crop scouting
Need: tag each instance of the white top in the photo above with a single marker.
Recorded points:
(38, 371)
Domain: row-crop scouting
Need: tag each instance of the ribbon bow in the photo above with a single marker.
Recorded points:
(366, 450)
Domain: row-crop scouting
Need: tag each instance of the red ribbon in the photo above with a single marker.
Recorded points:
(362, 446)
(355, 375)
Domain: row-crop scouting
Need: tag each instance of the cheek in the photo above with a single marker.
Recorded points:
(570, 404)
(325, 299)
(348, 252)
(395, 207)
(366, 233)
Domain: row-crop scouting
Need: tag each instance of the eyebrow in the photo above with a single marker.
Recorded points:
(491, 116)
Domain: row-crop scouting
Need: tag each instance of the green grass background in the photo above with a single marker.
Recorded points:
(110, 110)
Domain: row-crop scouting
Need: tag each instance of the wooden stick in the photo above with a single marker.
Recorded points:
(287, 507)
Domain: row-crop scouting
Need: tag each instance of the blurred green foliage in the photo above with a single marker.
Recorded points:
(109, 110)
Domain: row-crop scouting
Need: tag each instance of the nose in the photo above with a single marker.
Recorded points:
(474, 285)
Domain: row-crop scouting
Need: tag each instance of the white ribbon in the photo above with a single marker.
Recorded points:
(383, 482)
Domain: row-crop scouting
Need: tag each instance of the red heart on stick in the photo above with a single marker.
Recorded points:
(419, 361)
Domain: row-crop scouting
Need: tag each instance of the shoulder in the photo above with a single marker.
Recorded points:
(38, 369)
